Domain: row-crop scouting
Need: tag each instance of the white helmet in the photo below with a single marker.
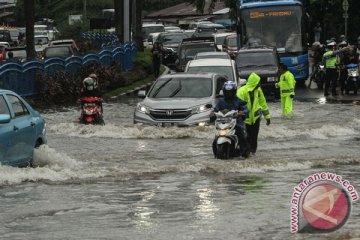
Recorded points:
(89, 83)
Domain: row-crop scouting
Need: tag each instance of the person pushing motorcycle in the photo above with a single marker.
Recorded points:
(254, 97)
(232, 102)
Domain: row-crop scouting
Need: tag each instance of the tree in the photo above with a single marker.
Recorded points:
(138, 26)
(29, 12)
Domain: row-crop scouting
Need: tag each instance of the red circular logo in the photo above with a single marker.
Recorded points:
(326, 207)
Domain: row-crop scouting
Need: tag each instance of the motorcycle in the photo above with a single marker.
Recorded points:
(226, 142)
(352, 82)
(319, 76)
(91, 111)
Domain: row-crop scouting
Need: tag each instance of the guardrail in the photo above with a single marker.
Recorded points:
(21, 77)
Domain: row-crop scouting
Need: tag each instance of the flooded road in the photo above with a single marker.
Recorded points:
(121, 181)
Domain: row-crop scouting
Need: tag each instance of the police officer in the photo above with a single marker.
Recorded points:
(254, 97)
(331, 74)
(287, 90)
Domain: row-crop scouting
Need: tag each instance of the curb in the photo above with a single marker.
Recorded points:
(167, 70)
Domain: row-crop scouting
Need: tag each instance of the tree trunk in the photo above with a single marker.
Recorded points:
(118, 18)
(29, 11)
(138, 28)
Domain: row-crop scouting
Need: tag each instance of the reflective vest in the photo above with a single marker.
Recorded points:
(331, 61)
(286, 83)
(254, 98)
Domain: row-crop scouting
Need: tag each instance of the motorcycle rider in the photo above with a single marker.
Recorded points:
(253, 95)
(318, 53)
(287, 90)
(90, 86)
(90, 89)
(231, 102)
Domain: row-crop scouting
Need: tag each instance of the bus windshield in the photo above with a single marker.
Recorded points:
(275, 26)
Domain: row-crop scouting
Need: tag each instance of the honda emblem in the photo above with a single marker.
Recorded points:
(169, 112)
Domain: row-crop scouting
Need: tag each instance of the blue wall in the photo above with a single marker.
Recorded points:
(21, 78)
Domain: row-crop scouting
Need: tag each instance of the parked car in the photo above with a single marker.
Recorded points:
(181, 99)
(265, 62)
(170, 42)
(219, 38)
(6, 37)
(62, 51)
(148, 28)
(208, 29)
(19, 54)
(173, 29)
(203, 55)
(67, 42)
(41, 42)
(21, 130)
(230, 45)
(189, 47)
(225, 67)
(14, 35)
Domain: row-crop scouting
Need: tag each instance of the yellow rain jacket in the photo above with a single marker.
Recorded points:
(287, 92)
(255, 99)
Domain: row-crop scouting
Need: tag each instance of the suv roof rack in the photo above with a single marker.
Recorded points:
(199, 39)
(258, 47)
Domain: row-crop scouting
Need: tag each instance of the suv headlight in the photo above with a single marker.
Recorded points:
(199, 109)
(141, 108)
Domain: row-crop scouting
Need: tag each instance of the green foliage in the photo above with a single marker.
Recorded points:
(154, 5)
(59, 10)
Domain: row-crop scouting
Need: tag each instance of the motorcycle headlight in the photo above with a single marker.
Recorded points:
(199, 109)
(142, 108)
(223, 132)
(271, 79)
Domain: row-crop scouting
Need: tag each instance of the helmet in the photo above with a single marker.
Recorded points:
(229, 89)
(89, 84)
(343, 44)
(93, 75)
(331, 44)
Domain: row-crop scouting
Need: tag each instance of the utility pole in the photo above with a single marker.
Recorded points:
(84, 11)
(126, 21)
(345, 6)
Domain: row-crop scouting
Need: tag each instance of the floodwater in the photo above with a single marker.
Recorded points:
(121, 181)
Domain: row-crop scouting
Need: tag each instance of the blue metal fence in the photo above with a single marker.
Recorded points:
(21, 78)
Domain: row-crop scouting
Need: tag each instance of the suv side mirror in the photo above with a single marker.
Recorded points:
(4, 118)
(142, 94)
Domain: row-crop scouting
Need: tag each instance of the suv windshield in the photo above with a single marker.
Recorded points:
(192, 50)
(223, 70)
(63, 51)
(232, 42)
(245, 59)
(182, 88)
(170, 39)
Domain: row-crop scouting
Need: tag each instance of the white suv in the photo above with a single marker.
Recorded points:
(225, 67)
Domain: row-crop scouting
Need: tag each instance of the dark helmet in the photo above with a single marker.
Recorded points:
(89, 83)
(229, 89)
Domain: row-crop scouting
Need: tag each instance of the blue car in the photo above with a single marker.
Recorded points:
(21, 130)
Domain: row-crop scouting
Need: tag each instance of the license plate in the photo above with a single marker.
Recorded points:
(165, 124)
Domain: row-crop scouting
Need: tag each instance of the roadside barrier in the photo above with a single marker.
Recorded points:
(21, 77)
